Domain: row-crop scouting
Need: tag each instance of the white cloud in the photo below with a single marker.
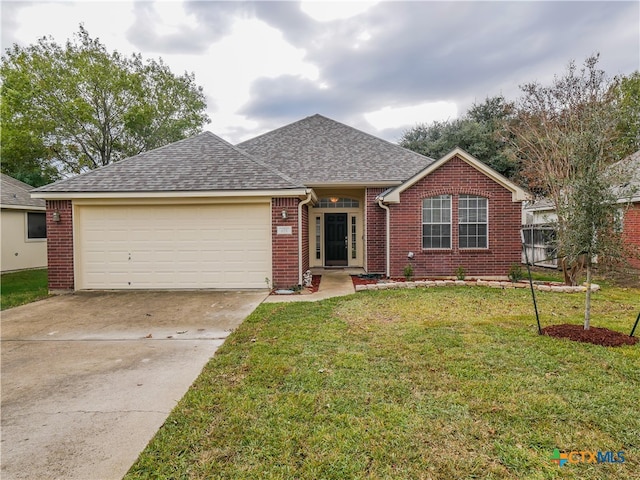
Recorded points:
(330, 10)
(61, 21)
(389, 117)
(171, 18)
(228, 68)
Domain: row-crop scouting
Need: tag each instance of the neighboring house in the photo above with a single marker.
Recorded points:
(202, 213)
(24, 235)
(540, 216)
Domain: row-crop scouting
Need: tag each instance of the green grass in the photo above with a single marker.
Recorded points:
(18, 288)
(439, 383)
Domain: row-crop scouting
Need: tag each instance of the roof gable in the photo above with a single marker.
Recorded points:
(204, 162)
(517, 193)
(317, 151)
(15, 194)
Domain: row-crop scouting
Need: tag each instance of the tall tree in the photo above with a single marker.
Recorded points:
(564, 136)
(81, 107)
(626, 90)
(480, 132)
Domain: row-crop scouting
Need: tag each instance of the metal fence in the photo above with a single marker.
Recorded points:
(540, 242)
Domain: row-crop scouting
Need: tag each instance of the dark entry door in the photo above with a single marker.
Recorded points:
(335, 239)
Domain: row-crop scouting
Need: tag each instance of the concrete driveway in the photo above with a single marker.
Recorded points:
(88, 378)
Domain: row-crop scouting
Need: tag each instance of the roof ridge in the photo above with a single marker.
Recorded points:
(16, 182)
(318, 115)
(256, 160)
(395, 145)
(279, 128)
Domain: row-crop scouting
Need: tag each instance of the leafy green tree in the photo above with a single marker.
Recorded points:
(480, 132)
(627, 92)
(564, 137)
(66, 109)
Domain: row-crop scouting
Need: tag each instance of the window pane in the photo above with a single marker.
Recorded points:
(318, 238)
(472, 218)
(353, 237)
(436, 222)
(335, 202)
(446, 215)
(36, 225)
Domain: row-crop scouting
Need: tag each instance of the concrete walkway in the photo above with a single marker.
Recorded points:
(334, 283)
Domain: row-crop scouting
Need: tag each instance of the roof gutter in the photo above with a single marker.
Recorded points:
(388, 236)
(285, 192)
(300, 205)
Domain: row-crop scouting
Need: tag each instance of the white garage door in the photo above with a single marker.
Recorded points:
(190, 246)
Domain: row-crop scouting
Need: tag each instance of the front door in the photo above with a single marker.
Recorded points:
(335, 239)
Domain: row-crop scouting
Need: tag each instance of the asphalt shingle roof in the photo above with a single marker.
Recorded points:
(204, 162)
(318, 150)
(630, 168)
(16, 193)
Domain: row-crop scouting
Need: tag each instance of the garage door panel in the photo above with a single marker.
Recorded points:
(206, 246)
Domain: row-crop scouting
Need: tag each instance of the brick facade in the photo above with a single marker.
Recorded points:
(454, 178)
(375, 224)
(284, 247)
(305, 238)
(60, 245)
(632, 232)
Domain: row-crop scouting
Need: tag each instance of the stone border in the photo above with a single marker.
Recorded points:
(391, 285)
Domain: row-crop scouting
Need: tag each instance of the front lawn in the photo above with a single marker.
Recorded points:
(18, 288)
(438, 383)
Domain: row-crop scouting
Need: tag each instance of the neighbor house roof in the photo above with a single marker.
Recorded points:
(204, 162)
(317, 151)
(15, 194)
(629, 167)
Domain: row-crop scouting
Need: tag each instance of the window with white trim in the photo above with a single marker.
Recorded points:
(318, 237)
(472, 221)
(436, 222)
(337, 202)
(354, 237)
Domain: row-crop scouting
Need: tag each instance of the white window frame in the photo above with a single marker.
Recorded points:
(486, 222)
(423, 223)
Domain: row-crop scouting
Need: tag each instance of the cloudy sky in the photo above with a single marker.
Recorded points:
(379, 66)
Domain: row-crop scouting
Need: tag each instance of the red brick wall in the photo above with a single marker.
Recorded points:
(632, 232)
(454, 178)
(375, 218)
(305, 238)
(60, 245)
(284, 247)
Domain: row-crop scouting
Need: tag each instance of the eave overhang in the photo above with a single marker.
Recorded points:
(293, 192)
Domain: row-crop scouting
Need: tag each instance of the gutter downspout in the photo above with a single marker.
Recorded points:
(304, 202)
(388, 237)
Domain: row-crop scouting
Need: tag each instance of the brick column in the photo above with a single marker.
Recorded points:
(376, 232)
(60, 245)
(284, 246)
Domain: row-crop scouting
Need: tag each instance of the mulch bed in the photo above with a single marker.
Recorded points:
(595, 335)
(363, 280)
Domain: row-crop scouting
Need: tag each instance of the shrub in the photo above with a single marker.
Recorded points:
(461, 273)
(408, 272)
(515, 273)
